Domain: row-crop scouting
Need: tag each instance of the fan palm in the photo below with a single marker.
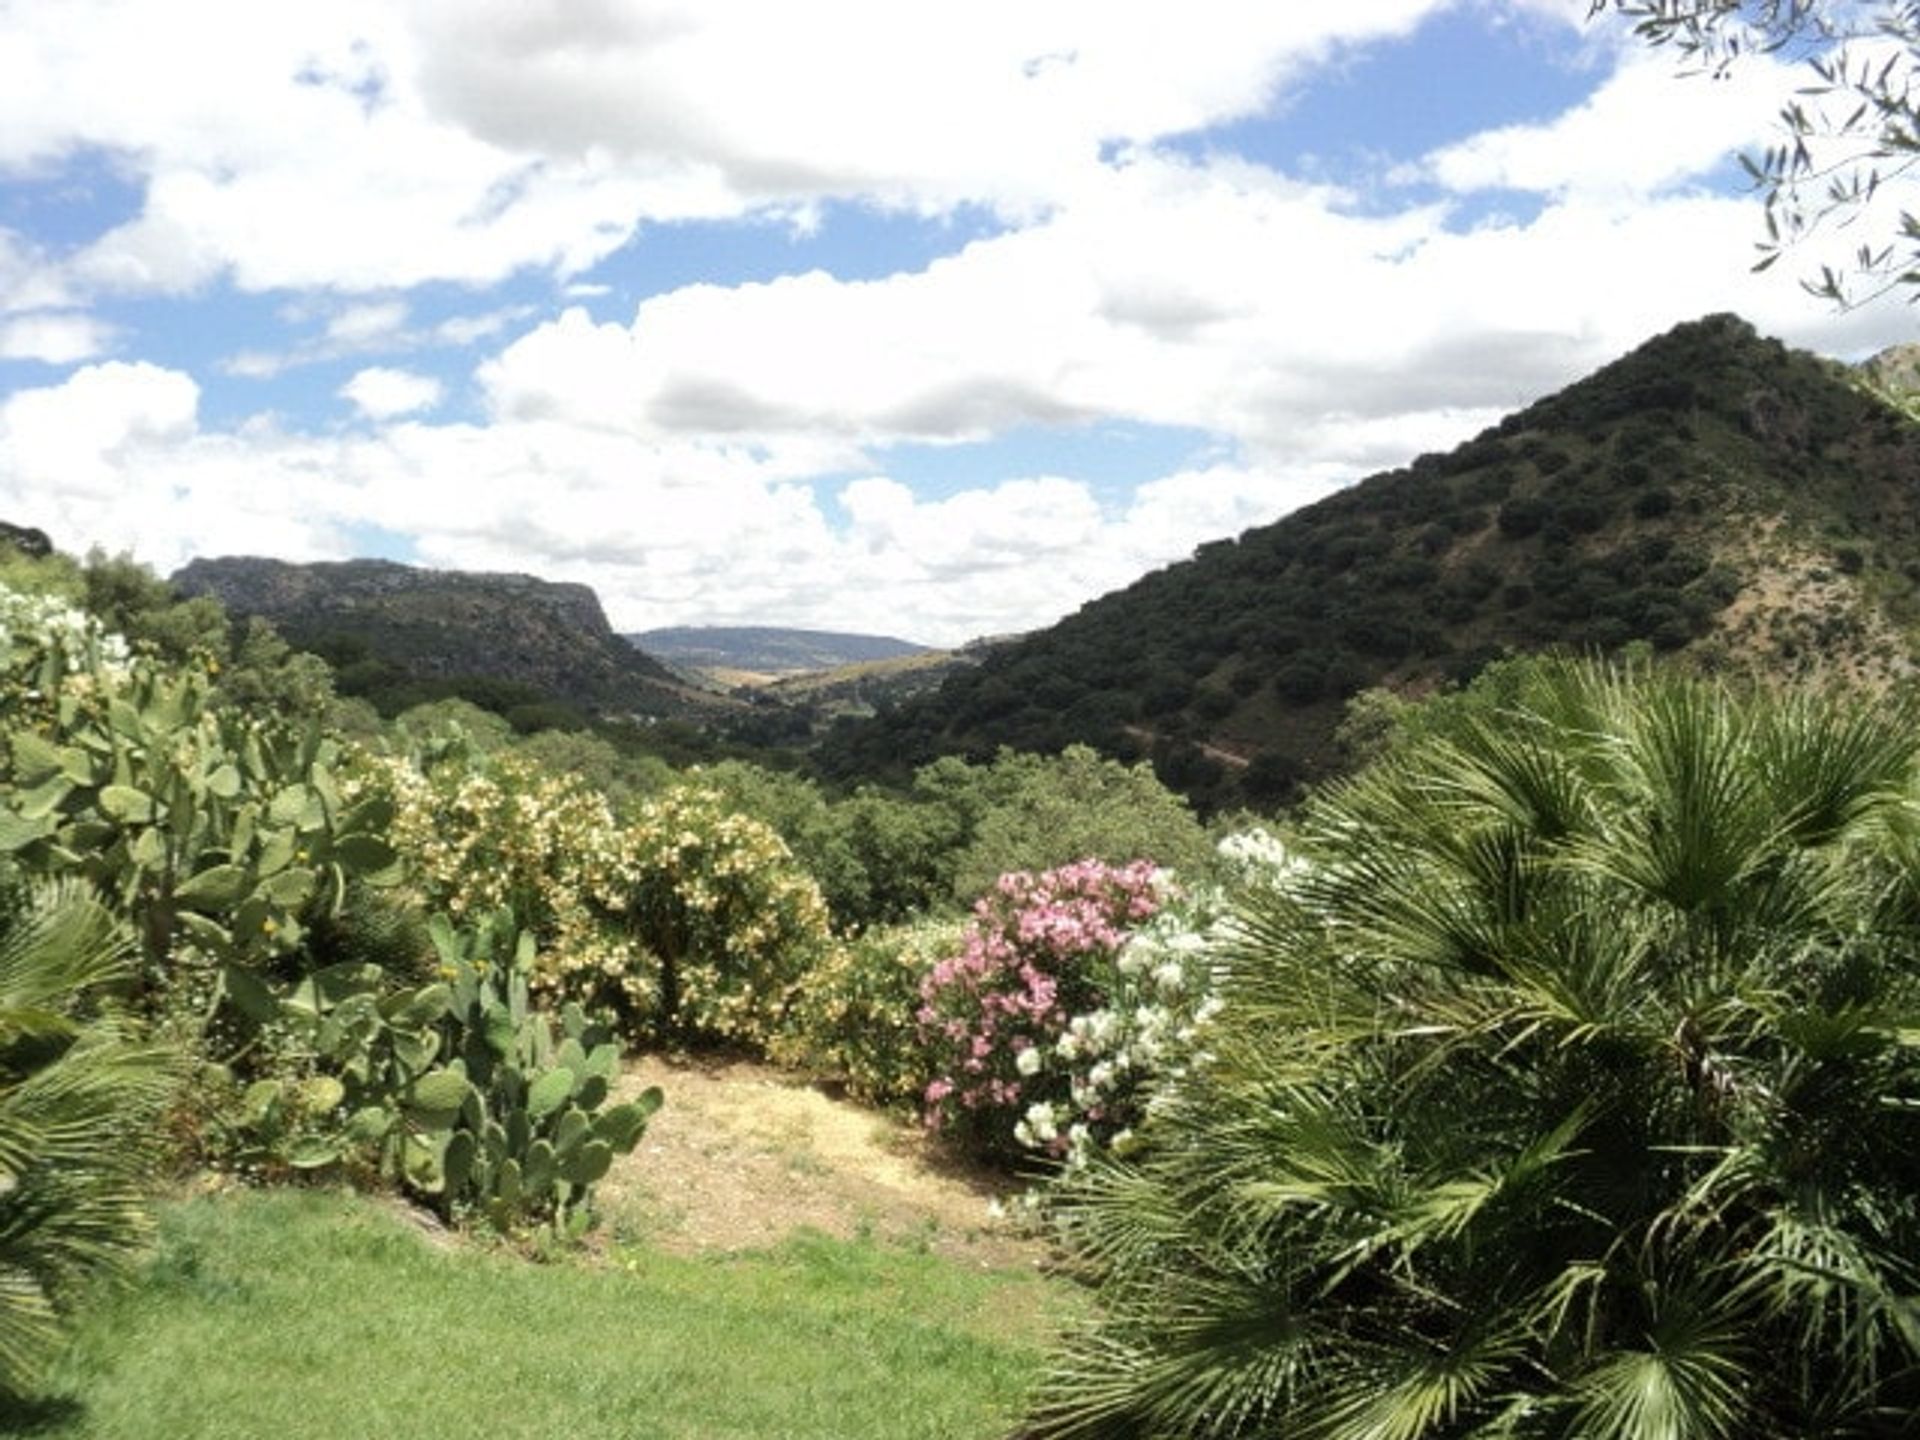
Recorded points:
(1573, 1092)
(78, 1092)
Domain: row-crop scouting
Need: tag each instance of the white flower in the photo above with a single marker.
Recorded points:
(1027, 1062)
(1042, 1124)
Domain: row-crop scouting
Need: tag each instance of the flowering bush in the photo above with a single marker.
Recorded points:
(44, 639)
(1108, 1063)
(1040, 949)
(686, 917)
(853, 1013)
(725, 920)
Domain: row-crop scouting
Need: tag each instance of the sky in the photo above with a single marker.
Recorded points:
(925, 319)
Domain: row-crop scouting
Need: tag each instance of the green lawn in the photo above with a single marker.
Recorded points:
(286, 1315)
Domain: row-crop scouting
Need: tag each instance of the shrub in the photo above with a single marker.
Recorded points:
(685, 919)
(1115, 1059)
(722, 922)
(1569, 1092)
(1039, 950)
(1523, 516)
(853, 1015)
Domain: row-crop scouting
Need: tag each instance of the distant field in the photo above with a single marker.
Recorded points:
(767, 650)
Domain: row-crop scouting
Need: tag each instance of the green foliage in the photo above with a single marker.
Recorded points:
(597, 763)
(460, 1088)
(80, 1092)
(1039, 812)
(1570, 1090)
(810, 824)
(1633, 506)
(852, 1018)
(432, 728)
(684, 917)
(723, 923)
(218, 835)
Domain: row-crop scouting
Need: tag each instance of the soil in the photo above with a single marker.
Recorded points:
(743, 1155)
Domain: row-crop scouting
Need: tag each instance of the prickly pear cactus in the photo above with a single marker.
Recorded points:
(219, 835)
(465, 1092)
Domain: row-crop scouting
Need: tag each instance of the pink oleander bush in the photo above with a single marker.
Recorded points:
(1039, 950)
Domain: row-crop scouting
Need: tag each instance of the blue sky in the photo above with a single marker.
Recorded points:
(933, 320)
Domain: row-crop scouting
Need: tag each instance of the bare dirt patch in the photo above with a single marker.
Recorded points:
(743, 1155)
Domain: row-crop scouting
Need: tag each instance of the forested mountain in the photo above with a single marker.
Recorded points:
(1712, 492)
(398, 634)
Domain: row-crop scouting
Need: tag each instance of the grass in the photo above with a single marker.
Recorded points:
(310, 1316)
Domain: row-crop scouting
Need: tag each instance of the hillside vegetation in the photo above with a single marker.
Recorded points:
(1711, 493)
(398, 635)
(1557, 1068)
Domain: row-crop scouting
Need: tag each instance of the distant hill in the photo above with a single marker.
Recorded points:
(754, 653)
(395, 632)
(1711, 493)
(868, 686)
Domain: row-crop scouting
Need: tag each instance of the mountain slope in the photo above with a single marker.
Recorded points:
(1711, 492)
(393, 629)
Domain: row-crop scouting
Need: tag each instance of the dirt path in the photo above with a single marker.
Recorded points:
(743, 1155)
(1212, 752)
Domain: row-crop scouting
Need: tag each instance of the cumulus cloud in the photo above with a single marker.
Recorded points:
(357, 326)
(1213, 296)
(712, 455)
(373, 145)
(1644, 129)
(58, 338)
(380, 393)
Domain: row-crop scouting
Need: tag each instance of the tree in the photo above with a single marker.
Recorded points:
(1848, 138)
(1569, 1091)
(1043, 811)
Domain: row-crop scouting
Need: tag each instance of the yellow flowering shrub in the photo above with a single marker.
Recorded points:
(683, 917)
(852, 1016)
(727, 919)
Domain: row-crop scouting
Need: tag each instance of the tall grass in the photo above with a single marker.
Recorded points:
(298, 1314)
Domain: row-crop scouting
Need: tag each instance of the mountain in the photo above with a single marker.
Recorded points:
(1711, 493)
(756, 653)
(398, 634)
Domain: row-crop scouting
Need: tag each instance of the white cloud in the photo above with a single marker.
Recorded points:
(381, 393)
(59, 338)
(1217, 297)
(1646, 128)
(372, 145)
(695, 462)
(374, 328)
(358, 326)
